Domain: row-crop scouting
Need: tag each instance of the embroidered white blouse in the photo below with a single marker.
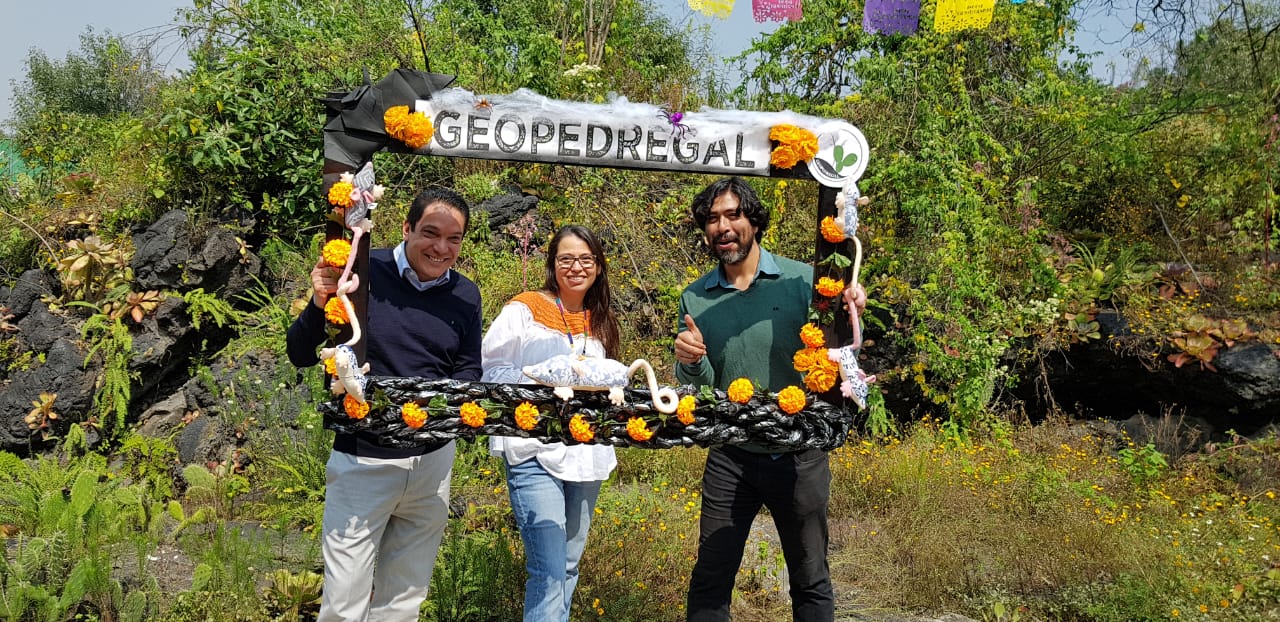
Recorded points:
(515, 339)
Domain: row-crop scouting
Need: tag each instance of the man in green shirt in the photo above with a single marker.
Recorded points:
(742, 320)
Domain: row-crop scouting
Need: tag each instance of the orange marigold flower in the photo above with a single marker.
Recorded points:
(395, 119)
(638, 430)
(684, 410)
(354, 407)
(831, 232)
(795, 144)
(331, 366)
(526, 416)
(335, 311)
(740, 391)
(335, 252)
(812, 336)
(822, 377)
(413, 415)
(472, 414)
(580, 429)
(791, 400)
(808, 358)
(340, 194)
(418, 131)
(828, 287)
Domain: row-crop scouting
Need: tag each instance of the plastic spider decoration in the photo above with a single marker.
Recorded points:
(678, 130)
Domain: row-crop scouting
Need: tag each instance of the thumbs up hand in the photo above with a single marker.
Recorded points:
(689, 346)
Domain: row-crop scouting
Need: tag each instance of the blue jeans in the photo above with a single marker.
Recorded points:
(553, 516)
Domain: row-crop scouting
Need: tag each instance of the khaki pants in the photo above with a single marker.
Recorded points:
(383, 522)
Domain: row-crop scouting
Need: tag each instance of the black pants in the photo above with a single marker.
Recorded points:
(795, 487)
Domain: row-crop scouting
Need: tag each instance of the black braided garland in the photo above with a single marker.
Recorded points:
(717, 420)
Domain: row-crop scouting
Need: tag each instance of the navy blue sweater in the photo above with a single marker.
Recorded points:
(428, 334)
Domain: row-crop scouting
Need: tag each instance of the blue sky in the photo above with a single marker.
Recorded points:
(54, 26)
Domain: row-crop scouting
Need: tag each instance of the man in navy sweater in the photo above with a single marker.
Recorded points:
(386, 508)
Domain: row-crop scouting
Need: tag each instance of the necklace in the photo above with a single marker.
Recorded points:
(586, 326)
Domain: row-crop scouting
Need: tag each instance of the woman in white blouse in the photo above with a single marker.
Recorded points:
(553, 487)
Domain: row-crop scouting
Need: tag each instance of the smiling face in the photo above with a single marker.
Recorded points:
(432, 245)
(730, 235)
(573, 277)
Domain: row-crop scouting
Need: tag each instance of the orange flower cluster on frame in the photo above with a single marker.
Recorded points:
(819, 370)
(580, 429)
(740, 391)
(795, 145)
(354, 407)
(413, 129)
(340, 194)
(413, 415)
(812, 336)
(335, 312)
(828, 287)
(472, 414)
(638, 430)
(336, 252)
(831, 232)
(684, 410)
(526, 416)
(791, 400)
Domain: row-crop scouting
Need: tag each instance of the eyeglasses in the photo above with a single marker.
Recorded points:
(564, 262)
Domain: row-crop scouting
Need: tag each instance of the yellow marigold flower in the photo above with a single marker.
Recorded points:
(355, 408)
(418, 131)
(831, 232)
(684, 410)
(411, 128)
(812, 336)
(472, 414)
(795, 144)
(395, 119)
(335, 311)
(828, 287)
(580, 429)
(413, 415)
(808, 358)
(340, 194)
(331, 366)
(791, 400)
(335, 252)
(823, 375)
(740, 391)
(526, 416)
(638, 430)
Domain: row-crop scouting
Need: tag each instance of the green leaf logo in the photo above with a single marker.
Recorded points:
(842, 159)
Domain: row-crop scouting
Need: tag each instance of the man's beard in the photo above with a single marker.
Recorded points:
(731, 257)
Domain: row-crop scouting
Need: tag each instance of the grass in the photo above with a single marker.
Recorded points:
(1049, 522)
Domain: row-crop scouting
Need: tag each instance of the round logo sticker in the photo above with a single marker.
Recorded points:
(842, 154)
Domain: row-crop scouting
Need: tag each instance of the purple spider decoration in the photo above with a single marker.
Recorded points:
(678, 130)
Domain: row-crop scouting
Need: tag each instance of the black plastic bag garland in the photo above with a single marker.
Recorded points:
(716, 419)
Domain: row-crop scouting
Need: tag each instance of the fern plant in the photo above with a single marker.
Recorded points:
(201, 304)
(111, 339)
